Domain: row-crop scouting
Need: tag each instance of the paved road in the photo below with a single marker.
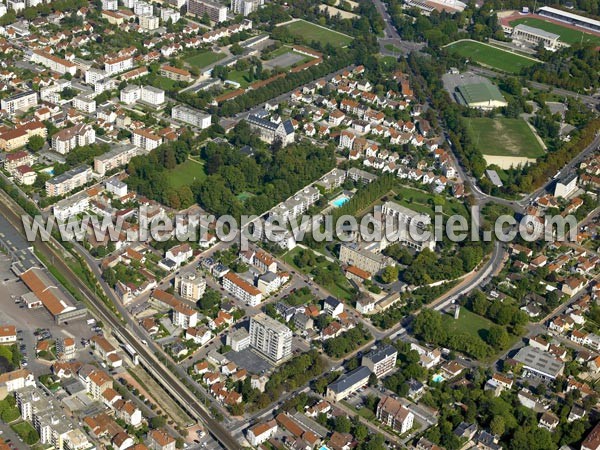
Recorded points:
(187, 400)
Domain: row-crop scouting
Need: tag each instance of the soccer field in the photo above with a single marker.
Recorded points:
(311, 32)
(504, 137)
(204, 59)
(567, 35)
(492, 57)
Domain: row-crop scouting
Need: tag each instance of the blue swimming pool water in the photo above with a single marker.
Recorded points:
(339, 201)
(437, 378)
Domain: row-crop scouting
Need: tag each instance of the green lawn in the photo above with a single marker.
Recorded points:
(26, 432)
(311, 32)
(239, 76)
(204, 58)
(470, 323)
(185, 174)
(567, 35)
(504, 137)
(492, 57)
(164, 83)
(420, 201)
(340, 289)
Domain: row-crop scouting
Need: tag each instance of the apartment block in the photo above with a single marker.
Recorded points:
(85, 103)
(68, 181)
(53, 63)
(117, 157)
(145, 139)
(173, 73)
(216, 12)
(69, 138)
(270, 337)
(120, 64)
(191, 116)
(19, 102)
(381, 361)
(242, 289)
(190, 285)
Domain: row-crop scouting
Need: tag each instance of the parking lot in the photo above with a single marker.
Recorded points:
(28, 320)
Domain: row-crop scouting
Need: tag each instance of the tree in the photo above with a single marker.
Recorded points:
(342, 424)
(498, 337)
(389, 274)
(35, 143)
(157, 422)
(497, 425)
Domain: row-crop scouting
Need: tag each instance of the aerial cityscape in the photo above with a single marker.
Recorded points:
(303, 225)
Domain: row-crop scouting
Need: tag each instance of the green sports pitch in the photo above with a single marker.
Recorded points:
(492, 57)
(567, 35)
(312, 32)
(503, 137)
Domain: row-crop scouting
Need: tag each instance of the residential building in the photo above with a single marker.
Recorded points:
(564, 188)
(270, 338)
(272, 132)
(242, 289)
(68, 181)
(53, 63)
(395, 415)
(69, 138)
(151, 95)
(296, 205)
(19, 136)
(130, 94)
(16, 159)
(411, 226)
(238, 340)
(118, 156)
(160, 439)
(261, 433)
(332, 307)
(191, 116)
(96, 382)
(25, 175)
(65, 348)
(592, 440)
(176, 74)
(354, 255)
(15, 380)
(190, 285)
(184, 316)
(145, 139)
(215, 11)
(348, 383)
(8, 334)
(85, 103)
(119, 64)
(19, 102)
(246, 7)
(381, 361)
(149, 23)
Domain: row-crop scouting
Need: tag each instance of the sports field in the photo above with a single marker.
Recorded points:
(504, 137)
(567, 35)
(204, 59)
(490, 56)
(311, 32)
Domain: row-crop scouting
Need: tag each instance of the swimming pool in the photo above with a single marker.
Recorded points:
(437, 378)
(340, 201)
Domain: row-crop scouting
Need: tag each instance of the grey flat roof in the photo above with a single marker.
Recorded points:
(537, 31)
(381, 353)
(540, 361)
(350, 379)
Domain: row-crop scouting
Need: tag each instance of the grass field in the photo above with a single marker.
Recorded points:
(204, 59)
(340, 289)
(504, 137)
(185, 174)
(239, 76)
(471, 323)
(567, 35)
(312, 32)
(492, 57)
(164, 83)
(420, 201)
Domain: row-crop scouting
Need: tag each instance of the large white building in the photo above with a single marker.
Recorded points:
(190, 285)
(117, 65)
(66, 140)
(53, 63)
(395, 415)
(242, 289)
(19, 102)
(270, 337)
(117, 157)
(411, 226)
(191, 116)
(145, 139)
(246, 7)
(381, 361)
(85, 103)
(216, 11)
(535, 36)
